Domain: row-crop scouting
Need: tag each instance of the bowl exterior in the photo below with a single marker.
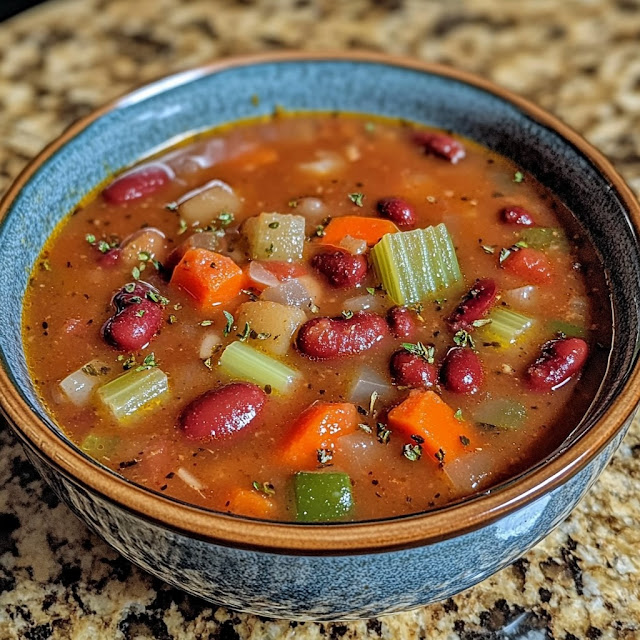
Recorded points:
(290, 583)
(323, 587)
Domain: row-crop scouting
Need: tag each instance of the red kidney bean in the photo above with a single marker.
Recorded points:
(517, 215)
(559, 360)
(327, 338)
(342, 269)
(223, 413)
(401, 322)
(398, 211)
(461, 371)
(409, 370)
(137, 318)
(474, 305)
(138, 183)
(440, 145)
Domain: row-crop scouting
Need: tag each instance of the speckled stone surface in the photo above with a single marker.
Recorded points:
(581, 60)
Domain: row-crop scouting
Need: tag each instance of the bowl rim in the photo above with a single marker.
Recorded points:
(332, 539)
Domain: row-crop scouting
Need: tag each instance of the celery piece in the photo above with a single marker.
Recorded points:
(321, 497)
(545, 238)
(99, 446)
(275, 236)
(503, 413)
(133, 390)
(506, 327)
(239, 360)
(415, 265)
(566, 328)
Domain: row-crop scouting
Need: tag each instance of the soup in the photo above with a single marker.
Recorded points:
(319, 317)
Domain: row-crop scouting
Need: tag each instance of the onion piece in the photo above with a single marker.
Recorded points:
(355, 246)
(367, 382)
(79, 385)
(313, 209)
(526, 296)
(305, 291)
(260, 275)
(377, 303)
(326, 163)
(209, 342)
(188, 478)
(360, 452)
(471, 472)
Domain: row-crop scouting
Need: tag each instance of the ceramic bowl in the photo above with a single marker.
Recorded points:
(336, 571)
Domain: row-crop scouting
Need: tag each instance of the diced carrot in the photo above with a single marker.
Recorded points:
(529, 264)
(427, 415)
(248, 502)
(318, 428)
(360, 227)
(254, 158)
(209, 278)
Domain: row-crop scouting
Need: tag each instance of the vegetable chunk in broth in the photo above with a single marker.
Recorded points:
(317, 318)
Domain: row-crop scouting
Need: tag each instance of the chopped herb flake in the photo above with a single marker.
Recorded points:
(465, 441)
(371, 291)
(148, 363)
(229, 326)
(425, 352)
(458, 415)
(325, 456)
(518, 177)
(382, 433)
(412, 452)
(356, 198)
(463, 339)
(264, 487)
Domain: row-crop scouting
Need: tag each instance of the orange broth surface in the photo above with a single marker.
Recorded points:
(265, 163)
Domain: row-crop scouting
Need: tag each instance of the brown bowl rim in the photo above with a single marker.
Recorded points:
(346, 538)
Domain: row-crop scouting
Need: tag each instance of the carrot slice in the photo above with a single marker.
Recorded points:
(529, 264)
(318, 428)
(362, 228)
(427, 415)
(209, 278)
(248, 502)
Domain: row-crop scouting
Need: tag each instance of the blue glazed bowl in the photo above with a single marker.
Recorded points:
(337, 571)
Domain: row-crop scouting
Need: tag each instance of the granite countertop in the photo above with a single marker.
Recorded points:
(579, 59)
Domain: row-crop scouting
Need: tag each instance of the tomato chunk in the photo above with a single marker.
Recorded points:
(529, 264)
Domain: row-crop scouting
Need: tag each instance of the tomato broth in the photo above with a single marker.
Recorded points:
(319, 317)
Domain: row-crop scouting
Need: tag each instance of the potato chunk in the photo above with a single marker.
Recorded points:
(275, 236)
(272, 325)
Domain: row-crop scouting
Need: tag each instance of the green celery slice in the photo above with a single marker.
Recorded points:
(506, 327)
(415, 265)
(503, 413)
(133, 391)
(322, 497)
(239, 360)
(99, 446)
(545, 238)
(275, 236)
(566, 328)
